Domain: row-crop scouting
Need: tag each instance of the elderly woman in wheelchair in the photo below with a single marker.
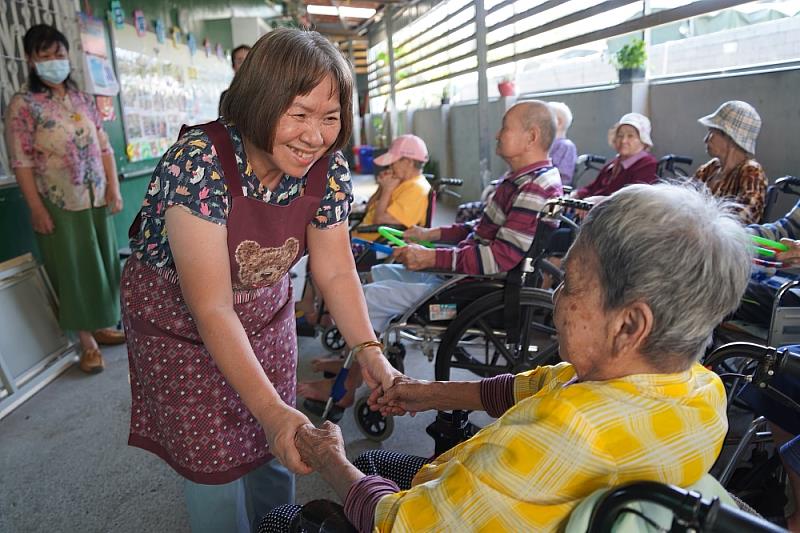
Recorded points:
(629, 403)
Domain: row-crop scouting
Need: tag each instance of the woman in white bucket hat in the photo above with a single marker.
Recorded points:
(634, 163)
(733, 171)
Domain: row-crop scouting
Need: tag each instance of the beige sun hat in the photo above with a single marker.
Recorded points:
(739, 120)
(638, 121)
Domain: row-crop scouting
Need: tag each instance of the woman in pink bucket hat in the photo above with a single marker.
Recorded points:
(733, 171)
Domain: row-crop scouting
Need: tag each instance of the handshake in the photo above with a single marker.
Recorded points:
(323, 448)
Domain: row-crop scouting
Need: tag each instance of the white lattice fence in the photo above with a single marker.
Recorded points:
(16, 16)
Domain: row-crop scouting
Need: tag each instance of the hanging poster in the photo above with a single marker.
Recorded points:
(191, 42)
(139, 22)
(161, 32)
(105, 106)
(162, 88)
(117, 14)
(207, 46)
(98, 74)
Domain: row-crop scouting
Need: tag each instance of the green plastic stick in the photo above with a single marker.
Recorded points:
(775, 245)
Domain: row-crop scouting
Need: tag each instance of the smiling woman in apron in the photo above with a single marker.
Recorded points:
(206, 295)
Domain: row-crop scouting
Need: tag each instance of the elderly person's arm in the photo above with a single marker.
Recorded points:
(787, 227)
(494, 395)
(494, 252)
(335, 275)
(751, 193)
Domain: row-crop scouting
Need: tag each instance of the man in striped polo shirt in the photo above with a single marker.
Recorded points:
(497, 243)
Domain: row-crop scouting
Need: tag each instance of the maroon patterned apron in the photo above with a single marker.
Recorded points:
(182, 408)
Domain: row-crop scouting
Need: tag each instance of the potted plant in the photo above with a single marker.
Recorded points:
(507, 87)
(629, 61)
(446, 95)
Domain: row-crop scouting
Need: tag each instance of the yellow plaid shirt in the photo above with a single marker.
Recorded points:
(558, 444)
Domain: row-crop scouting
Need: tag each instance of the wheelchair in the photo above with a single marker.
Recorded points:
(758, 479)
(485, 324)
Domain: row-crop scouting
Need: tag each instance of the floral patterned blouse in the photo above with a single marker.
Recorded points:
(63, 141)
(746, 184)
(190, 175)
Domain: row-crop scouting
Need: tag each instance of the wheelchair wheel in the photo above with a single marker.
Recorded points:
(396, 354)
(372, 424)
(476, 339)
(332, 339)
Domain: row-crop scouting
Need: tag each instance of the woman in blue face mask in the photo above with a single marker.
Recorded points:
(65, 169)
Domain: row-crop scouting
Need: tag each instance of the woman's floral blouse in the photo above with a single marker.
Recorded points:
(63, 141)
(190, 175)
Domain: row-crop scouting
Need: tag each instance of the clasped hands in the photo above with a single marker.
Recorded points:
(322, 449)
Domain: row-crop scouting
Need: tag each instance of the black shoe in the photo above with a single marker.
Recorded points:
(317, 407)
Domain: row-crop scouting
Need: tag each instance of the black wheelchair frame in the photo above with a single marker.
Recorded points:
(758, 480)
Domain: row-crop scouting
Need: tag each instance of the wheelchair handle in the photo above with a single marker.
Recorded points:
(786, 183)
(690, 510)
(673, 159)
(453, 182)
(569, 203)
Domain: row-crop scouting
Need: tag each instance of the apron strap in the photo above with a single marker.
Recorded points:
(218, 134)
(317, 177)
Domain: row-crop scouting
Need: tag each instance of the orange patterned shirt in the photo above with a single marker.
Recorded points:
(746, 184)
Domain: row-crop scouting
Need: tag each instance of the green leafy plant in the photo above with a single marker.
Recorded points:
(632, 55)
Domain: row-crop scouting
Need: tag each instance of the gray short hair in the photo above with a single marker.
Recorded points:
(561, 109)
(678, 249)
(539, 115)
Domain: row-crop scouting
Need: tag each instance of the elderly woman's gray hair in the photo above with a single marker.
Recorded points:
(563, 112)
(678, 249)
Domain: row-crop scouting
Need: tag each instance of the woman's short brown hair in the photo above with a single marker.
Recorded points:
(281, 65)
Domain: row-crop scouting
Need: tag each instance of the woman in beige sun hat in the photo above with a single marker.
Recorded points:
(733, 171)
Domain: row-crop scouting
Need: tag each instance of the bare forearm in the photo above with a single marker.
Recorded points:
(110, 167)
(345, 299)
(382, 215)
(27, 186)
(450, 395)
(340, 474)
(226, 340)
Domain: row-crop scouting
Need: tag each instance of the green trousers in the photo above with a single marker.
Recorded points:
(81, 258)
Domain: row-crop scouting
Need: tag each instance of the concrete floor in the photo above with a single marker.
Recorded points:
(66, 465)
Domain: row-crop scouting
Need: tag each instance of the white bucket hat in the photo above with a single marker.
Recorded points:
(638, 121)
(739, 120)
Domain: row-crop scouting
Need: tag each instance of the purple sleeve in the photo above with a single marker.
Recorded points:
(563, 156)
(497, 394)
(362, 499)
(454, 233)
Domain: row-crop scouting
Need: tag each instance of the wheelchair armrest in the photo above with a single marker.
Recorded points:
(322, 516)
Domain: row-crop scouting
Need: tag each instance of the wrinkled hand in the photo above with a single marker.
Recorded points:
(281, 430)
(113, 200)
(415, 257)
(387, 180)
(41, 221)
(790, 257)
(405, 396)
(376, 370)
(320, 447)
(416, 233)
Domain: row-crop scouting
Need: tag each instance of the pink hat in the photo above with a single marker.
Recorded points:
(409, 146)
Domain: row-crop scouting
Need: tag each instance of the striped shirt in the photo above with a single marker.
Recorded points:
(561, 441)
(786, 227)
(502, 236)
